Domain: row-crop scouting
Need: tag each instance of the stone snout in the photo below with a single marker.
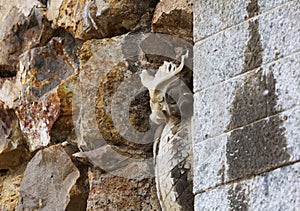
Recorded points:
(159, 107)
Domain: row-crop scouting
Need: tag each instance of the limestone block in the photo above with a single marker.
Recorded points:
(98, 19)
(47, 180)
(261, 40)
(251, 149)
(244, 99)
(209, 163)
(273, 190)
(174, 18)
(208, 21)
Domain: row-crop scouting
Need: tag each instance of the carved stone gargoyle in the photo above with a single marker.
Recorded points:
(171, 102)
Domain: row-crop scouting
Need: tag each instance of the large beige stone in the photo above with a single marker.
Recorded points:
(48, 180)
(111, 99)
(98, 19)
(175, 18)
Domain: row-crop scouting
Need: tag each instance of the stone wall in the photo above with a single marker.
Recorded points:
(247, 105)
(74, 117)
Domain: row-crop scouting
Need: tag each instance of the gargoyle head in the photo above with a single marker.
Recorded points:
(159, 89)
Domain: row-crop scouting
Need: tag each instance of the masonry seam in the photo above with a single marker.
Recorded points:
(250, 71)
(237, 128)
(244, 21)
(247, 178)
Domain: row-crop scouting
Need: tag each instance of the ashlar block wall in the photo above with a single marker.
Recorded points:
(246, 125)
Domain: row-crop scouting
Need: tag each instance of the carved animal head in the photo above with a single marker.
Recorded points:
(158, 86)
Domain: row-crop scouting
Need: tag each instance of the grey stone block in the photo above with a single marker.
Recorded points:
(209, 163)
(249, 150)
(212, 200)
(247, 98)
(212, 16)
(249, 45)
(275, 190)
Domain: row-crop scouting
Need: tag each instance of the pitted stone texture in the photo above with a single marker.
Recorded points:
(174, 18)
(109, 192)
(42, 70)
(223, 55)
(37, 119)
(275, 190)
(209, 163)
(99, 19)
(252, 149)
(212, 200)
(47, 180)
(275, 87)
(12, 148)
(208, 21)
(113, 105)
(10, 188)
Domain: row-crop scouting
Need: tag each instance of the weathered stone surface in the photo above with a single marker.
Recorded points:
(252, 149)
(267, 38)
(47, 180)
(275, 87)
(174, 18)
(246, 107)
(42, 70)
(20, 32)
(107, 97)
(99, 19)
(209, 163)
(109, 192)
(10, 188)
(38, 81)
(23, 29)
(274, 190)
(226, 14)
(12, 148)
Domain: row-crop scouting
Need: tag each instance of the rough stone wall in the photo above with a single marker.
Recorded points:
(67, 68)
(247, 105)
